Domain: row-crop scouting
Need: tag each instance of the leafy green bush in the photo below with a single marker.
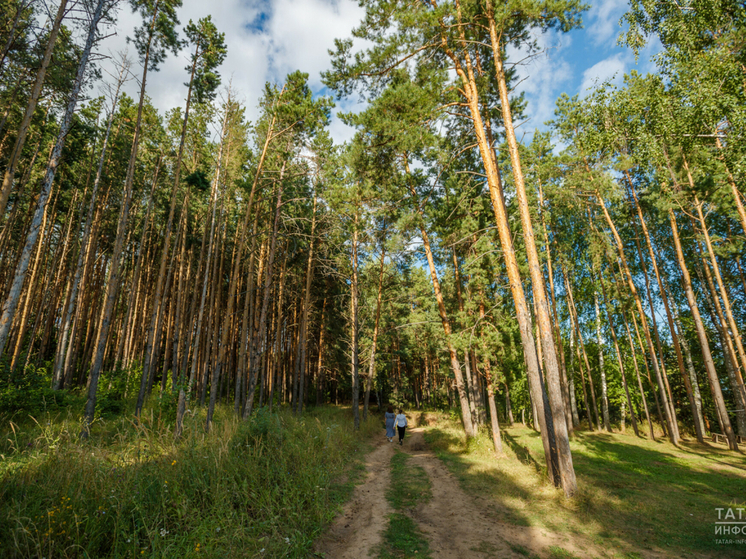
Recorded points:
(28, 389)
(168, 402)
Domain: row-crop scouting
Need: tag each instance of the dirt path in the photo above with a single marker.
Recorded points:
(456, 525)
(358, 530)
(453, 523)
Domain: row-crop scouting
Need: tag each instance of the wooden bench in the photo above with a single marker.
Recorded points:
(718, 438)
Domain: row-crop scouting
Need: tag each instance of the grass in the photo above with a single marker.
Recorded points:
(634, 495)
(266, 487)
(409, 487)
(409, 483)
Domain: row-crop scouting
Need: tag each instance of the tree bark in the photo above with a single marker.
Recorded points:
(11, 303)
(553, 376)
(667, 405)
(698, 425)
(354, 326)
(455, 366)
(372, 361)
(260, 335)
(620, 361)
(23, 130)
(717, 394)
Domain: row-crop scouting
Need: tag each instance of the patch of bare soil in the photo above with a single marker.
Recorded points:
(456, 525)
(359, 529)
(457, 528)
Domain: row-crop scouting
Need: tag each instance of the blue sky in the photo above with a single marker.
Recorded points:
(267, 39)
(573, 62)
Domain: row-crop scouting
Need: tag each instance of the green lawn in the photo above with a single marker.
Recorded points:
(634, 494)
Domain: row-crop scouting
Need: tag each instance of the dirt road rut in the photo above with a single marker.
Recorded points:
(454, 524)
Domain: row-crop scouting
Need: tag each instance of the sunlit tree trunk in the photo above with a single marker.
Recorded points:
(620, 360)
(372, 361)
(496, 440)
(581, 346)
(15, 154)
(667, 404)
(570, 419)
(11, 303)
(466, 416)
(601, 368)
(543, 317)
(698, 424)
(470, 382)
(354, 323)
(717, 394)
(730, 322)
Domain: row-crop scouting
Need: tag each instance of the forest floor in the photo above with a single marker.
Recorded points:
(636, 499)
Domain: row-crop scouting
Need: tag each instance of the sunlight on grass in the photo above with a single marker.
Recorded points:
(633, 494)
(267, 486)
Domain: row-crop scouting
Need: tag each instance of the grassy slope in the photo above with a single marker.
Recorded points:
(633, 493)
(263, 488)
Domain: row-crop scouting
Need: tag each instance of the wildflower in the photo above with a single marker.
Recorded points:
(217, 529)
(287, 541)
(164, 532)
(173, 463)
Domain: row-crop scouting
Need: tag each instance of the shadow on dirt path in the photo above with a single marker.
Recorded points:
(456, 525)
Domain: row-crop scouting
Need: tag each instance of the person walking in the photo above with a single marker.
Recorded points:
(390, 418)
(401, 425)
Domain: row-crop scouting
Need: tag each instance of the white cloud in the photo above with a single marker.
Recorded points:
(265, 41)
(542, 77)
(603, 21)
(612, 67)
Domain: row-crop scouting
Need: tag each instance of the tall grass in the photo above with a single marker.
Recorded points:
(261, 488)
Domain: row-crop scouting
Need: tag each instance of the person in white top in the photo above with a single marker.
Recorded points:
(401, 425)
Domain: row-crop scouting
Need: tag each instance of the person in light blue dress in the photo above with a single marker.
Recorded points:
(390, 417)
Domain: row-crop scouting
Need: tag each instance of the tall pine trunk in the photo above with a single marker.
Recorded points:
(11, 303)
(23, 130)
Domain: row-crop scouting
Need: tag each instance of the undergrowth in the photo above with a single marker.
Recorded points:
(265, 487)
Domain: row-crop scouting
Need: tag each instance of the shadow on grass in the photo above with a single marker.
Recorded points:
(522, 452)
(634, 494)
